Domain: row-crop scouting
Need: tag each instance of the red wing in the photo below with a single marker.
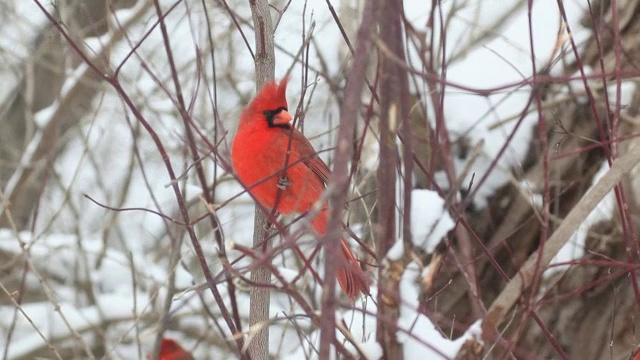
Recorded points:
(309, 156)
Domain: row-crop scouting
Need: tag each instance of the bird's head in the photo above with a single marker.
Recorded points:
(270, 105)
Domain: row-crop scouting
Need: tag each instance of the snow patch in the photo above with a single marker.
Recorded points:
(430, 221)
(417, 333)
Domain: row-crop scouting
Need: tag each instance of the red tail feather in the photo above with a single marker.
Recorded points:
(351, 278)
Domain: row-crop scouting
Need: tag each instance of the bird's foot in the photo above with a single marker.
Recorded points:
(283, 183)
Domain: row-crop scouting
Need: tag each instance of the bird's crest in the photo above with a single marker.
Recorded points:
(271, 97)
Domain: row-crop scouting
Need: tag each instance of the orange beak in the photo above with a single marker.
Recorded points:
(282, 118)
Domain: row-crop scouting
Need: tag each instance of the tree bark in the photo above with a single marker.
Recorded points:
(394, 98)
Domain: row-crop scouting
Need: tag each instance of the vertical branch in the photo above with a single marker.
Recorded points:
(339, 183)
(265, 54)
(260, 296)
(394, 100)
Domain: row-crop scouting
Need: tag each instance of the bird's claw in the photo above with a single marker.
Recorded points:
(283, 183)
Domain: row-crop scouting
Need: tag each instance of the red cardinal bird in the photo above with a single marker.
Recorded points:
(171, 350)
(259, 153)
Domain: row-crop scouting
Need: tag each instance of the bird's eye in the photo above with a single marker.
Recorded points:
(271, 114)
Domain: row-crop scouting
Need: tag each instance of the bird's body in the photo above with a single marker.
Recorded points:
(265, 141)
